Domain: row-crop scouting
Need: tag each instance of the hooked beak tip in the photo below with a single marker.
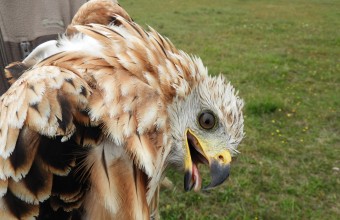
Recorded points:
(219, 173)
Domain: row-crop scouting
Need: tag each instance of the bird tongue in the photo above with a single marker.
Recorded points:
(196, 178)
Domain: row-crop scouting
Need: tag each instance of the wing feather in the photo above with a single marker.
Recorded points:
(14, 70)
(3, 186)
(43, 101)
(21, 159)
(12, 207)
(35, 186)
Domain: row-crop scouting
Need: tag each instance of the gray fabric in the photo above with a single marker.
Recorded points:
(26, 20)
(33, 21)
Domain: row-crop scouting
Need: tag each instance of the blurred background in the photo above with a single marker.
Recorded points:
(284, 58)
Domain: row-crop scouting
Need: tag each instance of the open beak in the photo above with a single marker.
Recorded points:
(197, 152)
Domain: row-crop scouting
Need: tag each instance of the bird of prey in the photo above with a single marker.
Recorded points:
(89, 127)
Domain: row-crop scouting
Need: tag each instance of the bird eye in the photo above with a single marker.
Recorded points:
(207, 120)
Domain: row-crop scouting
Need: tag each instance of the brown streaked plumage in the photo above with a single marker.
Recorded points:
(88, 128)
(98, 12)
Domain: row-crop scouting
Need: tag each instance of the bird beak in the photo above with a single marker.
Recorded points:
(198, 151)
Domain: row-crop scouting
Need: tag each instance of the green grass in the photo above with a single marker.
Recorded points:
(284, 58)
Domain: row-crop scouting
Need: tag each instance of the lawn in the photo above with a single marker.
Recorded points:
(284, 58)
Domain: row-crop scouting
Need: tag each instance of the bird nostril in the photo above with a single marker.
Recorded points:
(221, 158)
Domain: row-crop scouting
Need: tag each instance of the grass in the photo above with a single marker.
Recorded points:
(284, 57)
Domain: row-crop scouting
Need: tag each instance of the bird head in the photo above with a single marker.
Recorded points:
(207, 126)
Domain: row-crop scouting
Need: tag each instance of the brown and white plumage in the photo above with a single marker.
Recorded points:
(90, 126)
(98, 12)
